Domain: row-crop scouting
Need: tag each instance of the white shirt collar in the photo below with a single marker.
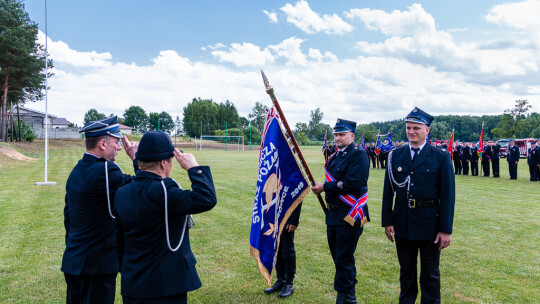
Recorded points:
(421, 146)
(92, 154)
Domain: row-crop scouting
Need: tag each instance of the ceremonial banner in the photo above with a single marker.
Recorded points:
(378, 145)
(363, 143)
(324, 144)
(481, 144)
(281, 187)
(428, 140)
(451, 145)
(387, 143)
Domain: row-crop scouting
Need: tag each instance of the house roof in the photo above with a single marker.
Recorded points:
(14, 108)
(60, 121)
(124, 127)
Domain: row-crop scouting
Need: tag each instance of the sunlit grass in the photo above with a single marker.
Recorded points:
(494, 256)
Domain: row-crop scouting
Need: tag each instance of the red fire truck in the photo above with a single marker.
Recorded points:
(523, 145)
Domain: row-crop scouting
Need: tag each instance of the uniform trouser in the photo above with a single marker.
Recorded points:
(430, 283)
(378, 160)
(474, 168)
(495, 167)
(465, 165)
(175, 299)
(286, 257)
(512, 169)
(383, 162)
(485, 168)
(342, 241)
(532, 171)
(537, 173)
(89, 289)
(457, 166)
(374, 161)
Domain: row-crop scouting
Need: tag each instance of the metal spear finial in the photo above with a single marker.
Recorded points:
(266, 82)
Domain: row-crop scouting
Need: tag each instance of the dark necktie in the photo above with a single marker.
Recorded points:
(416, 151)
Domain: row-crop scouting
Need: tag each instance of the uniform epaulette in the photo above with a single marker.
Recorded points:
(441, 151)
(400, 147)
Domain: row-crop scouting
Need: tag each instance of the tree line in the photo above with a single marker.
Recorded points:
(22, 65)
(207, 117)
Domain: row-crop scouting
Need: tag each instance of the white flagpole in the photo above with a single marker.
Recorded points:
(46, 183)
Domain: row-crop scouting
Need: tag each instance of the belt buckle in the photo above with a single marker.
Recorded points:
(412, 203)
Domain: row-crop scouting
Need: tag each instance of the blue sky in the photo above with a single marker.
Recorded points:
(359, 60)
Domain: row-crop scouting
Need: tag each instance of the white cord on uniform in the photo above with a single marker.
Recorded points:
(167, 223)
(107, 186)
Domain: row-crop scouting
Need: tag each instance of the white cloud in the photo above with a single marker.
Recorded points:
(245, 54)
(425, 70)
(317, 55)
(520, 15)
(80, 59)
(217, 46)
(302, 16)
(290, 49)
(398, 23)
(414, 37)
(272, 16)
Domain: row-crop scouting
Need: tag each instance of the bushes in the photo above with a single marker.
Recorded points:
(27, 132)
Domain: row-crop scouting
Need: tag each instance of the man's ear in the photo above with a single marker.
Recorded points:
(102, 144)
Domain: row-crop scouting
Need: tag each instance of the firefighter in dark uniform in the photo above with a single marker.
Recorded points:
(421, 219)
(495, 149)
(537, 160)
(286, 258)
(154, 219)
(90, 261)
(531, 161)
(513, 159)
(384, 157)
(486, 159)
(350, 168)
(474, 160)
(465, 158)
(456, 157)
(373, 155)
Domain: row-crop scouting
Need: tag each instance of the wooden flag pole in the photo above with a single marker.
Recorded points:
(270, 92)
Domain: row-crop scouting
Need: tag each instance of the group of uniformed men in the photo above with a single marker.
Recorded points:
(465, 155)
(116, 222)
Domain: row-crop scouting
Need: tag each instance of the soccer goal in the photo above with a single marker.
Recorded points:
(222, 142)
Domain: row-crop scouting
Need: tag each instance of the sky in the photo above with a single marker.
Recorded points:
(364, 61)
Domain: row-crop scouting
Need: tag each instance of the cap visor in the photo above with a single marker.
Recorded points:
(116, 134)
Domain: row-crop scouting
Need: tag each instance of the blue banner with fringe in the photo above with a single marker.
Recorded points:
(281, 187)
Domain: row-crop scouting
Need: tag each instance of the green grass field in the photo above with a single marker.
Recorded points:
(494, 256)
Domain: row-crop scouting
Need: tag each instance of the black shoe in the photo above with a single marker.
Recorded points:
(286, 291)
(276, 287)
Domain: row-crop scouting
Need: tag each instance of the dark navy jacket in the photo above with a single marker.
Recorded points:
(513, 154)
(351, 168)
(90, 230)
(495, 149)
(432, 178)
(149, 268)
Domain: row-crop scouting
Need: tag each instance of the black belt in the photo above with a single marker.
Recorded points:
(413, 203)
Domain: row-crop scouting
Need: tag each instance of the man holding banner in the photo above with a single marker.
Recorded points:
(346, 177)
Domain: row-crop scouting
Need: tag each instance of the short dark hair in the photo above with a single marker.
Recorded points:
(151, 165)
(91, 142)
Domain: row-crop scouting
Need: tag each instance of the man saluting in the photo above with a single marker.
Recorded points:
(90, 261)
(422, 180)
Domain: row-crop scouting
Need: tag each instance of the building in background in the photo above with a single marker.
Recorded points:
(59, 127)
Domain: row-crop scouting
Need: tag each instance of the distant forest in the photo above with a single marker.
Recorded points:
(466, 128)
